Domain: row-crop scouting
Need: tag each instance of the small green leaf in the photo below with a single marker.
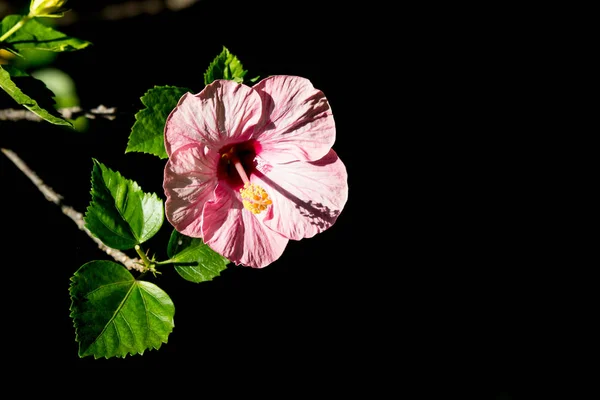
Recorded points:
(32, 60)
(225, 66)
(11, 76)
(36, 35)
(147, 133)
(195, 261)
(120, 214)
(114, 314)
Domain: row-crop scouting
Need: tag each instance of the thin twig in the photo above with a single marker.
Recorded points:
(112, 12)
(11, 114)
(76, 216)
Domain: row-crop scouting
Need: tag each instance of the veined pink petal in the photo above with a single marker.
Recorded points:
(231, 230)
(297, 122)
(307, 196)
(189, 181)
(223, 112)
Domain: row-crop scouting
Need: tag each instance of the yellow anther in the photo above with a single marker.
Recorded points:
(255, 198)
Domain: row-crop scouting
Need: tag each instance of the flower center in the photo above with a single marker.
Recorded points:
(236, 160)
(255, 198)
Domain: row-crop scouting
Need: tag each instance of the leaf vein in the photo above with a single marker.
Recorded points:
(107, 285)
(109, 322)
(110, 229)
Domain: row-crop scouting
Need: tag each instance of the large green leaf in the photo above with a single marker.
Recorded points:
(36, 35)
(20, 86)
(120, 214)
(225, 66)
(194, 260)
(147, 133)
(115, 314)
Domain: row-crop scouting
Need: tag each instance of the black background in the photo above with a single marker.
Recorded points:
(404, 294)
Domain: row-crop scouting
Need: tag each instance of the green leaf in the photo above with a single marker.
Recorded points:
(36, 35)
(32, 60)
(17, 83)
(194, 260)
(147, 133)
(120, 214)
(114, 314)
(225, 66)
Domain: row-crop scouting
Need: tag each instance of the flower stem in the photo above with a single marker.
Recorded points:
(15, 28)
(143, 255)
(150, 265)
(169, 261)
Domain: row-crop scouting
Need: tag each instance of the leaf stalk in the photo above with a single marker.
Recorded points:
(15, 28)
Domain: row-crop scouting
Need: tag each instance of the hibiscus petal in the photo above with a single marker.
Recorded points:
(190, 178)
(223, 112)
(297, 122)
(231, 230)
(307, 197)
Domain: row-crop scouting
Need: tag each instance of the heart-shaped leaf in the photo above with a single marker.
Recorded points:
(114, 314)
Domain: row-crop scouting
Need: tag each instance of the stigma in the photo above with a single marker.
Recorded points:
(255, 198)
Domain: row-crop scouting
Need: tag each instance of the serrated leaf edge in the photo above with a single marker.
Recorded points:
(138, 115)
(135, 187)
(134, 282)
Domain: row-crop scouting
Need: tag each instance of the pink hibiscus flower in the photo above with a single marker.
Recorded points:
(252, 167)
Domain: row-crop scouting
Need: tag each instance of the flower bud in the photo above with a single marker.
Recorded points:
(46, 8)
